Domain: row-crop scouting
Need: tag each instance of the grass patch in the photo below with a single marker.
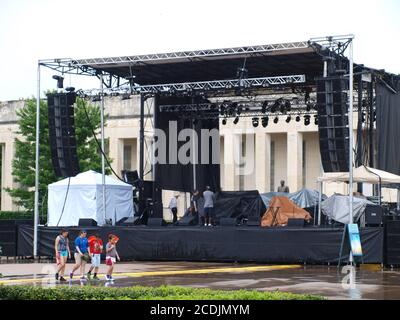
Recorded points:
(141, 293)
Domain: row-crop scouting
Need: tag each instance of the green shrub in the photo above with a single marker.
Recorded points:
(141, 293)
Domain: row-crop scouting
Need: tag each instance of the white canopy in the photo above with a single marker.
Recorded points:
(84, 199)
(362, 174)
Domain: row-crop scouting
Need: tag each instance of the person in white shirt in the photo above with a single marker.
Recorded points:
(173, 206)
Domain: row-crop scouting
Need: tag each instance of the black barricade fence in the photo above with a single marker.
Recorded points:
(9, 236)
(268, 245)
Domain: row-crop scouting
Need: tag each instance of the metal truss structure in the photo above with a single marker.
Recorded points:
(188, 87)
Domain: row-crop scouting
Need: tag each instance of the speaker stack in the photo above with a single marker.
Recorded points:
(333, 123)
(62, 134)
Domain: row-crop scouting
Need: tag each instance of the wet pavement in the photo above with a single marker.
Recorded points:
(371, 282)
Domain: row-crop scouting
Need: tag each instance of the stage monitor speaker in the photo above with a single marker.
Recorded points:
(155, 222)
(295, 223)
(333, 123)
(87, 223)
(227, 222)
(62, 134)
(189, 221)
(373, 215)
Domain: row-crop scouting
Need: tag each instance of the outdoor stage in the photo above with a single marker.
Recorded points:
(314, 245)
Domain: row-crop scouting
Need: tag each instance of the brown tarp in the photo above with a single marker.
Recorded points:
(280, 210)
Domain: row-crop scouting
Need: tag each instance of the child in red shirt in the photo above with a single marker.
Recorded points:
(95, 250)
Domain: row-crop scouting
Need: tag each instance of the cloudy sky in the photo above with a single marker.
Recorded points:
(40, 29)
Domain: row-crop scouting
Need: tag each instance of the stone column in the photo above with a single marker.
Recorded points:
(262, 161)
(116, 154)
(8, 181)
(294, 161)
(229, 168)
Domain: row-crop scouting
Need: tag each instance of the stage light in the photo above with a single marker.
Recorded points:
(307, 119)
(308, 106)
(224, 121)
(96, 98)
(316, 120)
(276, 119)
(298, 118)
(255, 122)
(288, 119)
(222, 109)
(70, 89)
(125, 96)
(264, 121)
(236, 120)
(276, 105)
(60, 81)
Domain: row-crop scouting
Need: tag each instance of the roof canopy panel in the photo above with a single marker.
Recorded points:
(216, 64)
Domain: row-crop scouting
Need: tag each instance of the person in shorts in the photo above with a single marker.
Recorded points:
(111, 255)
(95, 250)
(81, 254)
(62, 254)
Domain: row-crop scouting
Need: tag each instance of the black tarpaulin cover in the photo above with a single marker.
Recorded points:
(238, 204)
(388, 128)
(271, 245)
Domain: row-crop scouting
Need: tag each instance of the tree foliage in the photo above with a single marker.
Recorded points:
(23, 165)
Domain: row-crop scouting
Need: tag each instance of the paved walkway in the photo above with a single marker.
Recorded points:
(371, 282)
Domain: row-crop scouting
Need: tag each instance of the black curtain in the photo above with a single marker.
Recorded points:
(388, 127)
(179, 176)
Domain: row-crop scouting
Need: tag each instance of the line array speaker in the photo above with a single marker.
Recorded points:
(62, 134)
(333, 123)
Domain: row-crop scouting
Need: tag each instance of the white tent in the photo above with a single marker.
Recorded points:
(362, 174)
(84, 200)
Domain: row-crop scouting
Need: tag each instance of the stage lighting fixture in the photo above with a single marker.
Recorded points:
(316, 120)
(125, 96)
(308, 106)
(70, 89)
(255, 122)
(236, 120)
(298, 118)
(307, 119)
(222, 109)
(276, 119)
(264, 121)
(288, 119)
(224, 121)
(60, 81)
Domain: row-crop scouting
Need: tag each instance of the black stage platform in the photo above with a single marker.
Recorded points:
(242, 244)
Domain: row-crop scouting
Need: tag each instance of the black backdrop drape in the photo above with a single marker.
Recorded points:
(388, 128)
(180, 176)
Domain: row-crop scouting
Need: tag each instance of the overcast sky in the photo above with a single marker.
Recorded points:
(39, 29)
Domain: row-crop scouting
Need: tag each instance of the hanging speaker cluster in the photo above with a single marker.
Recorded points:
(333, 123)
(62, 134)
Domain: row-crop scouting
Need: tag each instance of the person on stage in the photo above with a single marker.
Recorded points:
(81, 254)
(62, 254)
(209, 198)
(283, 188)
(95, 250)
(173, 206)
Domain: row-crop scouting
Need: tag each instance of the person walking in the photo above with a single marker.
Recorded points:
(111, 255)
(62, 254)
(173, 206)
(81, 254)
(208, 196)
(95, 250)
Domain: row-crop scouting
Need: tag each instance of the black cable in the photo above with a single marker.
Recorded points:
(98, 143)
(65, 201)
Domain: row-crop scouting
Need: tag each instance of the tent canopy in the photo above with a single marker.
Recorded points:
(362, 174)
(83, 196)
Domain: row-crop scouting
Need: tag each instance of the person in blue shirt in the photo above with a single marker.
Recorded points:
(81, 254)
